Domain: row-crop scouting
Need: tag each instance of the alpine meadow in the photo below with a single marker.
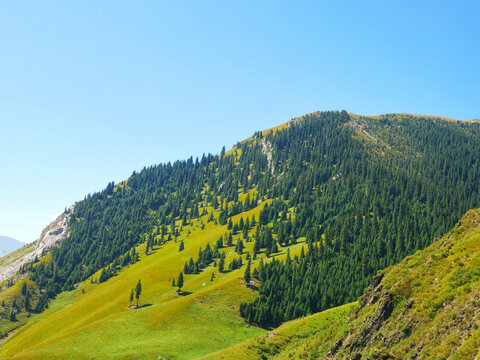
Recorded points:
(331, 236)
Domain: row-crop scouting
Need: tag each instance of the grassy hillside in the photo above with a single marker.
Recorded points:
(358, 193)
(292, 339)
(427, 307)
(94, 320)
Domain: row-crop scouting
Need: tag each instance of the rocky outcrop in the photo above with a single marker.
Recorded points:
(57, 231)
(267, 151)
(357, 340)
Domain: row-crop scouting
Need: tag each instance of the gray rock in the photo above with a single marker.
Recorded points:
(57, 231)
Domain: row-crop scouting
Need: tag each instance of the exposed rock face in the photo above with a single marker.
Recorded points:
(267, 151)
(55, 233)
(364, 338)
(51, 236)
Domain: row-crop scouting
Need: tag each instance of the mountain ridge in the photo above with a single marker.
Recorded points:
(317, 197)
(445, 118)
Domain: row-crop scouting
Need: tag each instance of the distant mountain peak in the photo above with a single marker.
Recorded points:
(8, 244)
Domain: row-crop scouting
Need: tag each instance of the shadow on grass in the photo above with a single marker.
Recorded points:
(184, 293)
(140, 306)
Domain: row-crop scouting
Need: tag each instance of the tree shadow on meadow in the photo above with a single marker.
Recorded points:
(140, 306)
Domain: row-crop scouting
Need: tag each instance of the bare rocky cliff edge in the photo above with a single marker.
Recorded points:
(57, 231)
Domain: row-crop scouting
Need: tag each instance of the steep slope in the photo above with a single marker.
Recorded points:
(360, 192)
(427, 307)
(292, 339)
(7, 245)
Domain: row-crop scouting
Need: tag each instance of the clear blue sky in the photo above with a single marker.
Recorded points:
(92, 90)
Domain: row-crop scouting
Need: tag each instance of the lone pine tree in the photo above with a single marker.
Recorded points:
(180, 282)
(246, 275)
(138, 291)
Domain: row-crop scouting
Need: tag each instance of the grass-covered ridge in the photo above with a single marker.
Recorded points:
(426, 307)
(292, 339)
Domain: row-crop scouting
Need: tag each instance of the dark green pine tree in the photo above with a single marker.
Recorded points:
(221, 262)
(131, 298)
(245, 232)
(23, 291)
(26, 303)
(239, 247)
(104, 275)
(274, 247)
(230, 239)
(246, 275)
(181, 246)
(138, 291)
(148, 246)
(180, 282)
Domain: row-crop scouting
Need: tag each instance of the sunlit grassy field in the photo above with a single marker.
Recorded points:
(94, 321)
(291, 340)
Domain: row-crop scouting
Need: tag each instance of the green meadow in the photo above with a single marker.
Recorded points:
(94, 321)
(292, 339)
